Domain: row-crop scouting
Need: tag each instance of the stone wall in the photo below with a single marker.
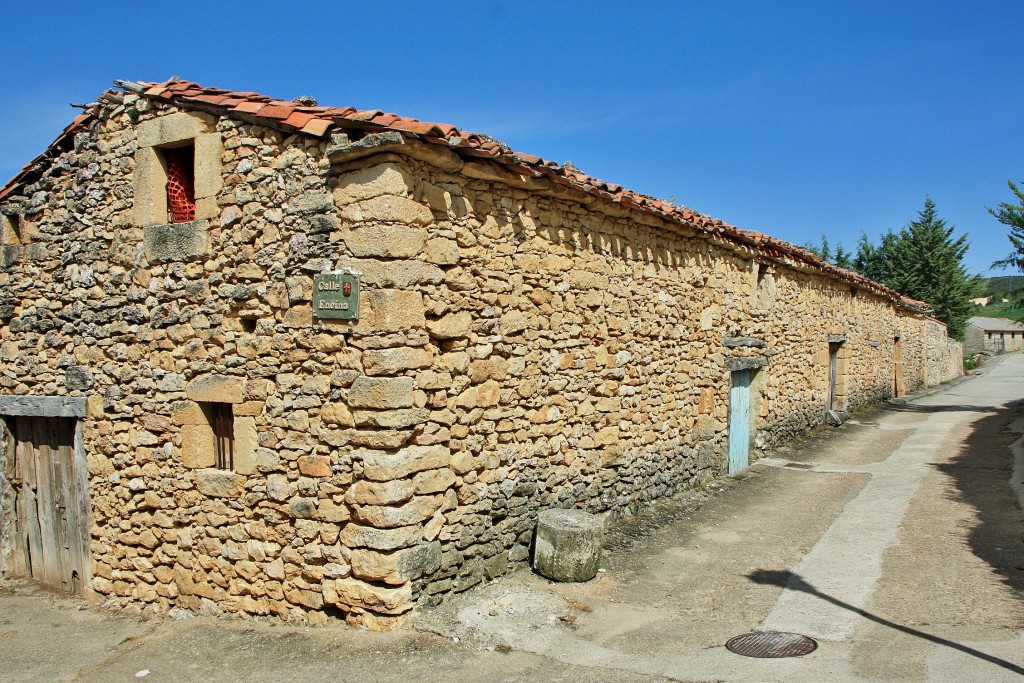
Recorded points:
(945, 356)
(516, 350)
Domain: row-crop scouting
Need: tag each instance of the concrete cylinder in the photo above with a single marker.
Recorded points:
(568, 545)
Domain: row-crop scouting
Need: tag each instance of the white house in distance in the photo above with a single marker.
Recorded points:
(997, 335)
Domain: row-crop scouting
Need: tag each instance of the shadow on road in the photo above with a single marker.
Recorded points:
(795, 582)
(917, 408)
(981, 472)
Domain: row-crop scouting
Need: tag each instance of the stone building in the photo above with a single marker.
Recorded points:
(993, 335)
(266, 357)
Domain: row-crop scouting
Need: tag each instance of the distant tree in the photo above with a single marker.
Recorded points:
(822, 248)
(1012, 215)
(843, 258)
(872, 260)
(840, 257)
(925, 262)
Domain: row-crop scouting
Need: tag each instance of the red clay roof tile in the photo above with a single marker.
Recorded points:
(249, 107)
(276, 111)
(298, 119)
(317, 127)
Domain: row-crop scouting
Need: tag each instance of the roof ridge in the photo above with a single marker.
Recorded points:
(317, 120)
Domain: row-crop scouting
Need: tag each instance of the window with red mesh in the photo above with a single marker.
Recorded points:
(181, 193)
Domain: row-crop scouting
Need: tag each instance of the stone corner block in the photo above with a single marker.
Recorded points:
(358, 594)
(384, 466)
(390, 310)
(397, 567)
(366, 183)
(386, 241)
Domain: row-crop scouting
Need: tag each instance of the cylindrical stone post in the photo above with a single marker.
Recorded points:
(568, 545)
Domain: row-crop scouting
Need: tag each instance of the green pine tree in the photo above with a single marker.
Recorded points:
(1012, 215)
(872, 260)
(925, 262)
(842, 258)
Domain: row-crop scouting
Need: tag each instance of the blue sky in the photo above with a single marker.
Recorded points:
(790, 118)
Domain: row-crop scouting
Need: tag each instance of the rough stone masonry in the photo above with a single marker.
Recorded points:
(527, 339)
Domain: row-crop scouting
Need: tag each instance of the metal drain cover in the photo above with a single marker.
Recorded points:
(771, 644)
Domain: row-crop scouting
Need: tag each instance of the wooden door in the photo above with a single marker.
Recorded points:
(51, 528)
(739, 420)
(833, 372)
(897, 375)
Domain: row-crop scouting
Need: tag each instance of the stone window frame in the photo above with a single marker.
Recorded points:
(176, 130)
(199, 430)
(165, 241)
(14, 229)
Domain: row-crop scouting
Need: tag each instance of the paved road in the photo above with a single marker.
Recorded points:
(895, 541)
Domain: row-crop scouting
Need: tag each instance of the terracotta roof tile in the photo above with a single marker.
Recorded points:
(250, 107)
(317, 126)
(298, 119)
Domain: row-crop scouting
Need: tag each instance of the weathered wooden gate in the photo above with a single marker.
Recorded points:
(51, 532)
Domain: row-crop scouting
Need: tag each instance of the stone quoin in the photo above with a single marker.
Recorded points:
(181, 410)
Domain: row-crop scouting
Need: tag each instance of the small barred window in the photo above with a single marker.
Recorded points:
(181, 193)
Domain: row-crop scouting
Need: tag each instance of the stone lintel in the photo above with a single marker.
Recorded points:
(735, 342)
(747, 363)
(43, 406)
(837, 339)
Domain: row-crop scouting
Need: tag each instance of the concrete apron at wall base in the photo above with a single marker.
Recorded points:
(846, 563)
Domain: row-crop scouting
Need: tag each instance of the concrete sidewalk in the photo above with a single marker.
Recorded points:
(895, 541)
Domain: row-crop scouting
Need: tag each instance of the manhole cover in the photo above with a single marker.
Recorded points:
(771, 644)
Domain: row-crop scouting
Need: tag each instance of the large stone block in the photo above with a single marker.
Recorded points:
(246, 444)
(416, 510)
(311, 202)
(451, 326)
(386, 241)
(434, 481)
(403, 274)
(219, 483)
(173, 128)
(381, 392)
(380, 493)
(367, 183)
(398, 567)
(198, 446)
(387, 209)
(216, 389)
(208, 176)
(356, 536)
(390, 310)
(175, 242)
(568, 545)
(357, 594)
(391, 419)
(381, 466)
(393, 361)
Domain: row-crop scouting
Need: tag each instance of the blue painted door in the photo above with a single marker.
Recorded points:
(739, 420)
